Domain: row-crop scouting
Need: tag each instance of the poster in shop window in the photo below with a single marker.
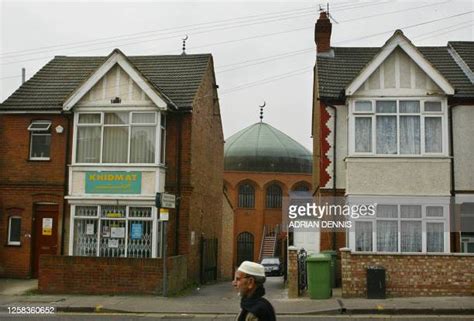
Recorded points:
(113, 243)
(137, 231)
(117, 232)
(90, 229)
(47, 226)
(105, 231)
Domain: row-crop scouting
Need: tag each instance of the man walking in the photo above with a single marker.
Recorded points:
(249, 279)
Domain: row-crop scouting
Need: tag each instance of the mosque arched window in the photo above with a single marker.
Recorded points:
(301, 188)
(246, 196)
(273, 196)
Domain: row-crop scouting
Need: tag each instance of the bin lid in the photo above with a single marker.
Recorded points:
(318, 257)
(329, 252)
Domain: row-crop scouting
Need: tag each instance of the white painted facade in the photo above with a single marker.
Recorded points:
(116, 99)
(463, 147)
(413, 181)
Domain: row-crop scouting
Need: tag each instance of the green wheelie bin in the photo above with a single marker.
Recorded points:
(319, 276)
(333, 256)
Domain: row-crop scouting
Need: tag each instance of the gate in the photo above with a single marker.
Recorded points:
(208, 260)
(302, 272)
(244, 247)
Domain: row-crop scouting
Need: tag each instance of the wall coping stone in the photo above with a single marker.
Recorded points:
(407, 254)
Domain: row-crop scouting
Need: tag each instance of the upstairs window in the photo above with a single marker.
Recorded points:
(117, 137)
(40, 139)
(398, 127)
(246, 196)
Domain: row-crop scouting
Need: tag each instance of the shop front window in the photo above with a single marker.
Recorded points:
(116, 231)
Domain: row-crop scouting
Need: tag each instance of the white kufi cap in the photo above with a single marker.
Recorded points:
(252, 268)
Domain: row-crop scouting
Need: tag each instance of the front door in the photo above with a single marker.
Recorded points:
(45, 233)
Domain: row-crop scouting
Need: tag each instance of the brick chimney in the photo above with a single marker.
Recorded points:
(322, 33)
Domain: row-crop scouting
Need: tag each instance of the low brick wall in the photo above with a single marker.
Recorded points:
(100, 275)
(410, 274)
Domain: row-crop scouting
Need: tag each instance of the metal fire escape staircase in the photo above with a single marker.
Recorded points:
(268, 246)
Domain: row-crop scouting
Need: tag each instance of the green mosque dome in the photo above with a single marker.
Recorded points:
(263, 148)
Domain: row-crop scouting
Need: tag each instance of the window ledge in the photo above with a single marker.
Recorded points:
(411, 253)
(12, 245)
(364, 158)
(78, 165)
(34, 160)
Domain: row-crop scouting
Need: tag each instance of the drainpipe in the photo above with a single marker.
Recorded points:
(66, 177)
(451, 147)
(334, 191)
(178, 179)
(453, 183)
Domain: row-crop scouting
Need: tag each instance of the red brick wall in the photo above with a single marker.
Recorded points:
(201, 170)
(14, 151)
(99, 275)
(410, 275)
(253, 220)
(24, 183)
(207, 166)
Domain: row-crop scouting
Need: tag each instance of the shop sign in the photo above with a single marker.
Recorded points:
(116, 182)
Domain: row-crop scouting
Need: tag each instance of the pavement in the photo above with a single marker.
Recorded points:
(220, 298)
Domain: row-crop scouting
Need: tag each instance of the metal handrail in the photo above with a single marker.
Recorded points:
(261, 243)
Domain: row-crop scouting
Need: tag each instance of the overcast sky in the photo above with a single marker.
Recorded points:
(263, 51)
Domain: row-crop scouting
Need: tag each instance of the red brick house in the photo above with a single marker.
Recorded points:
(89, 141)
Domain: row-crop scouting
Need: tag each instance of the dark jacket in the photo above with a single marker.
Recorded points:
(256, 307)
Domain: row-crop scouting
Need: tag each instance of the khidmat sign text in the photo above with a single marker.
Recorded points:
(113, 182)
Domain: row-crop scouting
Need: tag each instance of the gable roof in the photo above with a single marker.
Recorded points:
(398, 40)
(176, 76)
(118, 58)
(337, 71)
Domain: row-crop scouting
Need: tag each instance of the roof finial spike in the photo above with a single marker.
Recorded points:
(184, 44)
(261, 110)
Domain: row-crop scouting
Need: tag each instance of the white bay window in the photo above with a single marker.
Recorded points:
(398, 127)
(403, 228)
(119, 137)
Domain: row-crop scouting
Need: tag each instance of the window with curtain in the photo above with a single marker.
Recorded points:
(403, 228)
(117, 137)
(273, 196)
(363, 234)
(246, 196)
(398, 127)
